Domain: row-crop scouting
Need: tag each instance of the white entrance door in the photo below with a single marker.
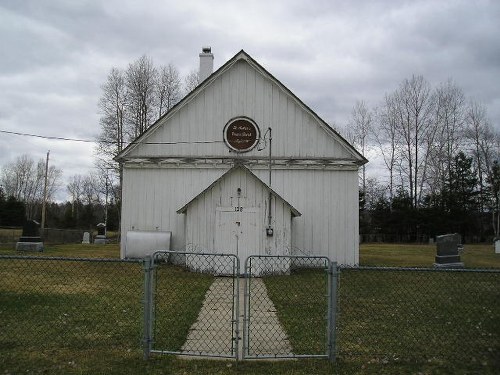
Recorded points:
(237, 232)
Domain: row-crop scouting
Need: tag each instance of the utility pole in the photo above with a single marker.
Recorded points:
(44, 202)
(106, 206)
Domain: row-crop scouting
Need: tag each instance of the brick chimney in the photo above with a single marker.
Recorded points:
(206, 63)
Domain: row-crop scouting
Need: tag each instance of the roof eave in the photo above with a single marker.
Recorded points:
(183, 209)
(241, 55)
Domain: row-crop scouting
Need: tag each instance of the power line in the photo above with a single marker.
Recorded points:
(47, 137)
(108, 142)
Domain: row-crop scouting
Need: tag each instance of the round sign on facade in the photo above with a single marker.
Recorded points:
(241, 134)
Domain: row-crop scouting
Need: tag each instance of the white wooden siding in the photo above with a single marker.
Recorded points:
(329, 203)
(241, 91)
(152, 197)
(201, 214)
(327, 199)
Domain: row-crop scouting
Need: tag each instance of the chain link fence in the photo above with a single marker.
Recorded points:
(10, 235)
(419, 315)
(288, 307)
(196, 304)
(199, 304)
(49, 306)
(280, 307)
(59, 236)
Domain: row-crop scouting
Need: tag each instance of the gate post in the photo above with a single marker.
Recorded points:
(148, 264)
(246, 307)
(236, 307)
(332, 309)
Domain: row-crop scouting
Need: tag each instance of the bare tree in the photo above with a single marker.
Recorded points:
(75, 190)
(416, 131)
(17, 177)
(376, 193)
(191, 81)
(494, 189)
(131, 101)
(90, 189)
(107, 189)
(168, 88)
(24, 180)
(140, 83)
(112, 106)
(387, 138)
(449, 119)
(360, 125)
(113, 137)
(483, 144)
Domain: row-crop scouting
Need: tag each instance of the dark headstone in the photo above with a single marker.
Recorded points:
(448, 251)
(101, 229)
(31, 230)
(101, 234)
(30, 239)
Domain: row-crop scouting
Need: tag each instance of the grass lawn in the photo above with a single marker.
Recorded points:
(420, 316)
(416, 255)
(78, 250)
(177, 308)
(301, 304)
(54, 314)
(86, 318)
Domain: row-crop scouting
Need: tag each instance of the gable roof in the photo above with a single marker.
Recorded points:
(183, 209)
(242, 55)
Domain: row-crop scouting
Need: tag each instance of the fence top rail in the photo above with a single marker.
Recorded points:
(418, 269)
(69, 259)
(182, 252)
(292, 256)
(160, 252)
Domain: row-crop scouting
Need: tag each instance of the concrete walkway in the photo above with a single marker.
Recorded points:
(213, 331)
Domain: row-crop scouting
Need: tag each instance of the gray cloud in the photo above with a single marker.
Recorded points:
(56, 55)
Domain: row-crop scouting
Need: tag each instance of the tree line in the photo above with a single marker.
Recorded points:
(23, 181)
(92, 197)
(439, 155)
(438, 150)
(132, 99)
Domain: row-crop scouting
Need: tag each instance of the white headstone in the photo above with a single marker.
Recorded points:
(86, 237)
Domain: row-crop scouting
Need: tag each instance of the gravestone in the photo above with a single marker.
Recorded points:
(30, 239)
(101, 234)
(86, 237)
(447, 247)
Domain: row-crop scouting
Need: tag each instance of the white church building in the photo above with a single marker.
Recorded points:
(241, 165)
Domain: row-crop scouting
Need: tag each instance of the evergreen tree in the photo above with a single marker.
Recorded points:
(493, 188)
(12, 212)
(461, 190)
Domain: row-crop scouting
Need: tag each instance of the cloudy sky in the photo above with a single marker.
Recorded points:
(55, 54)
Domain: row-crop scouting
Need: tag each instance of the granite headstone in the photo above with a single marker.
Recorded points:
(86, 237)
(30, 239)
(447, 255)
(101, 234)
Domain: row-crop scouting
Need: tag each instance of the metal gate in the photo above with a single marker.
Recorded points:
(191, 304)
(289, 307)
(194, 306)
